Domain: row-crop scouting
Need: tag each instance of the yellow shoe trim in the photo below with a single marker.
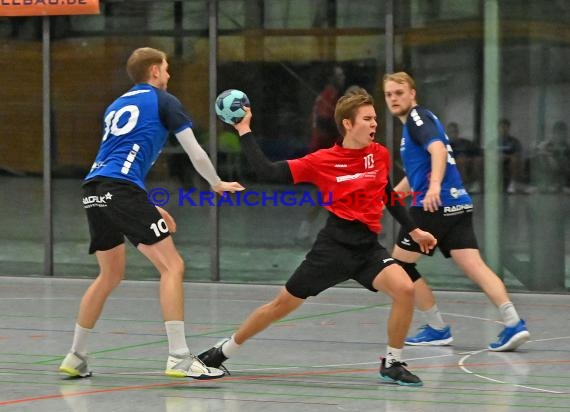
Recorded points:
(69, 371)
(174, 373)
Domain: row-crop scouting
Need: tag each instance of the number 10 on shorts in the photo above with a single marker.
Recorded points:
(159, 227)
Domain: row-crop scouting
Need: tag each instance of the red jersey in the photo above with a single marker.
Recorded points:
(352, 181)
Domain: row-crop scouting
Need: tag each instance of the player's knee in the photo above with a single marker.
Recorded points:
(176, 266)
(411, 270)
(406, 290)
(110, 280)
(174, 269)
(180, 266)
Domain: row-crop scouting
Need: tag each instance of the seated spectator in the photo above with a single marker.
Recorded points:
(552, 159)
(510, 149)
(468, 158)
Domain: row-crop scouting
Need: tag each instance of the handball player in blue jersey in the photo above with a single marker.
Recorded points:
(135, 128)
(442, 207)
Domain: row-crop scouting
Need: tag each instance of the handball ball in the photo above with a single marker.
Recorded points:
(229, 106)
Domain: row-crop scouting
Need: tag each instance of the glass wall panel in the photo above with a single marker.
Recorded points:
(447, 63)
(284, 71)
(21, 201)
(284, 54)
(440, 47)
(535, 86)
(232, 14)
(292, 14)
(103, 43)
(359, 13)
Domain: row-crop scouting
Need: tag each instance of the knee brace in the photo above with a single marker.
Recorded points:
(410, 269)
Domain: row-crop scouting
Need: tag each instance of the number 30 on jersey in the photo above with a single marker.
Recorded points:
(113, 118)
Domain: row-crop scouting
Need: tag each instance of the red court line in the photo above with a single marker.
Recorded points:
(249, 378)
(177, 383)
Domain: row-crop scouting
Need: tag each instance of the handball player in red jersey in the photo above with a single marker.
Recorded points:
(354, 177)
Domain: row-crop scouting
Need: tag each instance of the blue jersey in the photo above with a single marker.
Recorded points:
(421, 129)
(136, 127)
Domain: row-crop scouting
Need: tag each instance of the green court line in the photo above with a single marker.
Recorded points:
(224, 330)
(410, 400)
(364, 381)
(562, 386)
(372, 398)
(375, 387)
(424, 372)
(360, 378)
(309, 385)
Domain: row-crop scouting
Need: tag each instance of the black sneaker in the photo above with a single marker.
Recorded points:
(214, 357)
(397, 373)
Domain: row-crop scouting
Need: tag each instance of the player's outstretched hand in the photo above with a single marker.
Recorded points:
(425, 239)
(231, 187)
(170, 223)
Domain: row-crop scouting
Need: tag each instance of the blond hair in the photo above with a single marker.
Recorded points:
(348, 104)
(140, 62)
(400, 78)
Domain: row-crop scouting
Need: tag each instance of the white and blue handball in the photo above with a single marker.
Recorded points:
(229, 106)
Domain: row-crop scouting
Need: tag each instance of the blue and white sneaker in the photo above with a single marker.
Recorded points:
(511, 338)
(428, 336)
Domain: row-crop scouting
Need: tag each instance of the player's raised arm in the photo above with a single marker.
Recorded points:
(277, 172)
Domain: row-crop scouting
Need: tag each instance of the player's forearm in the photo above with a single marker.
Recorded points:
(403, 186)
(277, 172)
(198, 156)
(398, 210)
(438, 164)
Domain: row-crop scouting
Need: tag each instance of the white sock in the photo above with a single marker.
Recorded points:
(230, 347)
(433, 318)
(79, 344)
(393, 355)
(176, 337)
(509, 314)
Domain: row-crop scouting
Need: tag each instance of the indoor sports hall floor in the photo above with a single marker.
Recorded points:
(324, 357)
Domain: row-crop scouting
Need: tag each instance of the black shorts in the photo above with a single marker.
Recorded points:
(452, 226)
(343, 250)
(116, 209)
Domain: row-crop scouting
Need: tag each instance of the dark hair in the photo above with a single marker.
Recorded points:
(504, 122)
